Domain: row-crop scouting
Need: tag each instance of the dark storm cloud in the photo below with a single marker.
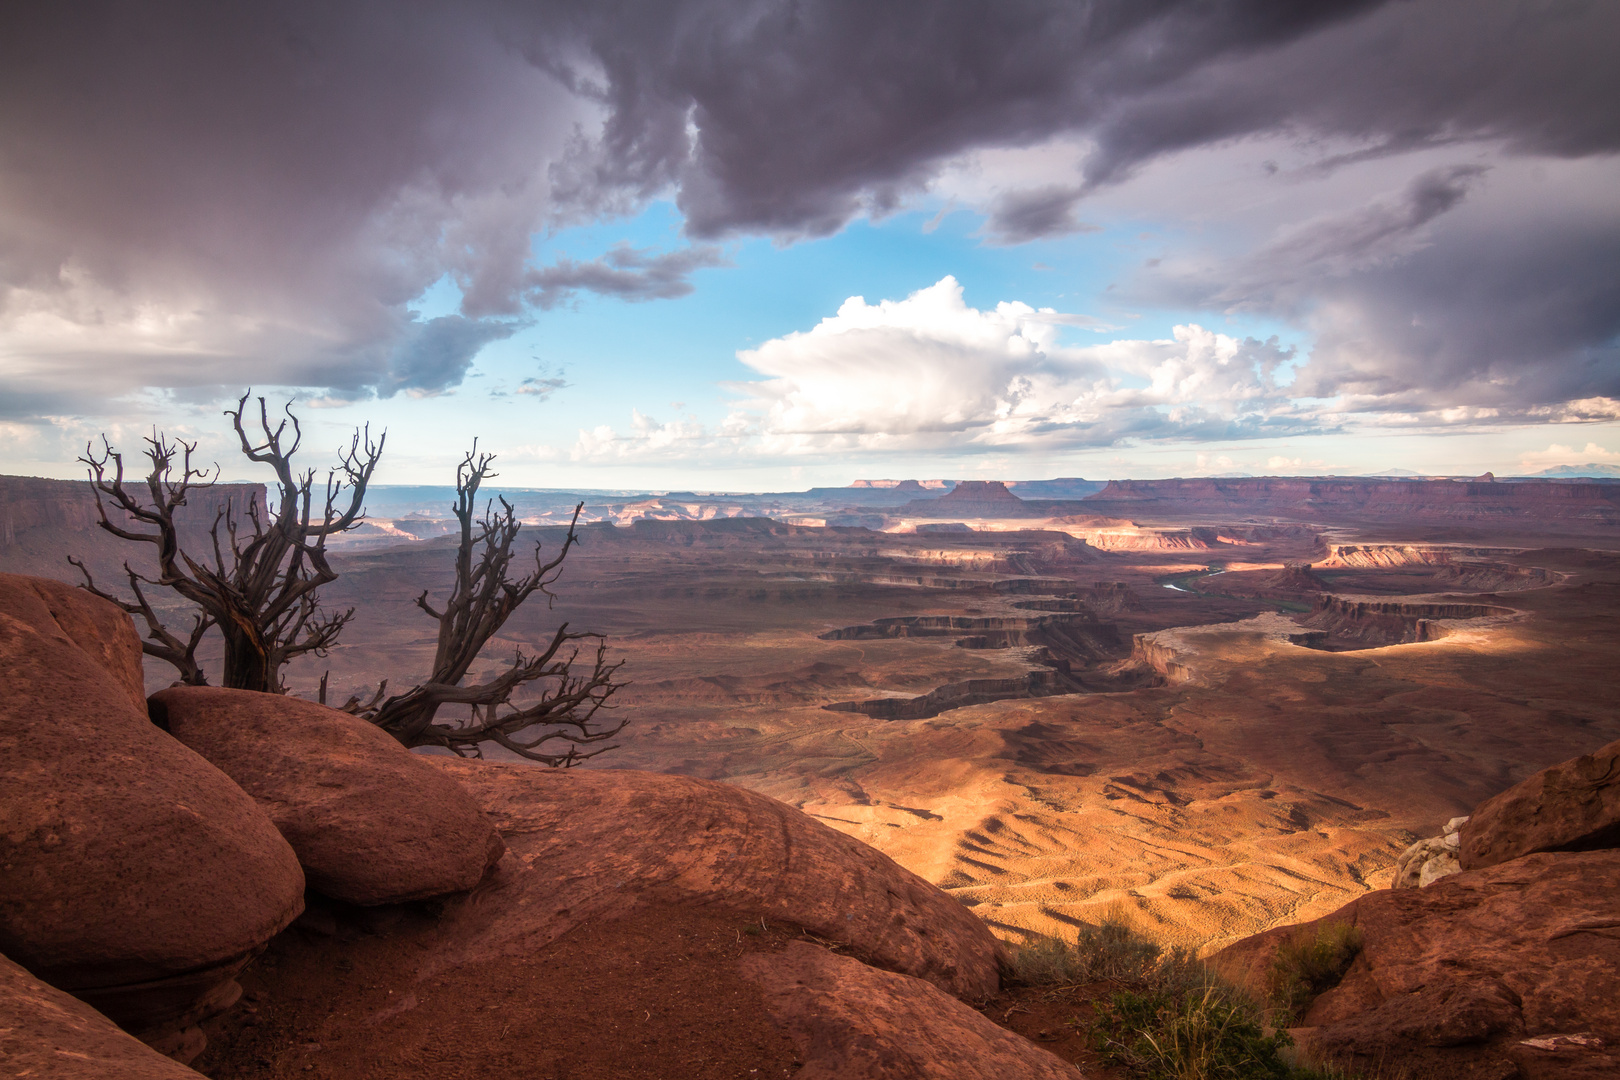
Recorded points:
(284, 177)
(1534, 75)
(808, 114)
(435, 355)
(803, 115)
(1020, 216)
(624, 272)
(1522, 318)
(281, 178)
(1417, 306)
(1282, 272)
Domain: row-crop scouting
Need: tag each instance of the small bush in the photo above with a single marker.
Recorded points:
(1174, 1019)
(1310, 962)
(1047, 961)
(1207, 1034)
(1109, 951)
(1112, 950)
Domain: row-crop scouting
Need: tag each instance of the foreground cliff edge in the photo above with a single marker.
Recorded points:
(1505, 963)
(142, 869)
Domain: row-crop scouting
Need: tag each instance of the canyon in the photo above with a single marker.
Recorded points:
(1208, 707)
(1212, 720)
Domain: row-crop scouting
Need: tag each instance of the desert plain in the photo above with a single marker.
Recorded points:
(1206, 716)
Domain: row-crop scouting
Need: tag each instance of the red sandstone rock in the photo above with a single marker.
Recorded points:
(973, 498)
(1452, 977)
(854, 1022)
(133, 874)
(1571, 806)
(371, 822)
(594, 843)
(42, 521)
(1325, 498)
(46, 1033)
(100, 629)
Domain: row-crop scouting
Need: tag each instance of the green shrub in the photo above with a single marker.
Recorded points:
(1047, 961)
(1175, 1020)
(1109, 951)
(1309, 962)
(1207, 1034)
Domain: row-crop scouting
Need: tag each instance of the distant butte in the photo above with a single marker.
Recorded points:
(972, 498)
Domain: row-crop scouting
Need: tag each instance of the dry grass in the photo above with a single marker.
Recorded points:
(1109, 951)
(1310, 962)
(1173, 1018)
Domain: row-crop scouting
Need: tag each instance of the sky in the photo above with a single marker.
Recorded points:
(739, 245)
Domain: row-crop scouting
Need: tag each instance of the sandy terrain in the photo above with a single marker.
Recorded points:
(1223, 781)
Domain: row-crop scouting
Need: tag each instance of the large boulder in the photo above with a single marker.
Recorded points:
(101, 630)
(371, 822)
(595, 843)
(1474, 972)
(1571, 806)
(133, 874)
(46, 1033)
(850, 1021)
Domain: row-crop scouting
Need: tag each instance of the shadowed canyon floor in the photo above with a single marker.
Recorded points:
(1135, 735)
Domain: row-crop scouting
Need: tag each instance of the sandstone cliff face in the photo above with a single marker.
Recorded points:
(1389, 556)
(44, 521)
(1146, 649)
(1527, 502)
(1390, 622)
(1572, 806)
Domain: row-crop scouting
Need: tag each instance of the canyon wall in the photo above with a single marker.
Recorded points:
(1521, 502)
(42, 522)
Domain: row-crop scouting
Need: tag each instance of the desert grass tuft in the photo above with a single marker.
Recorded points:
(1213, 1033)
(1173, 1018)
(1310, 962)
(1110, 951)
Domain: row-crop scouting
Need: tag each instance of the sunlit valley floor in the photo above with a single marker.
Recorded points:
(1099, 727)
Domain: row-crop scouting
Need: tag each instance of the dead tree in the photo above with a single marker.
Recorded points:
(538, 707)
(258, 585)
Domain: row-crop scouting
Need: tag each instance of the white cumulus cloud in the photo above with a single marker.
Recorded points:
(931, 373)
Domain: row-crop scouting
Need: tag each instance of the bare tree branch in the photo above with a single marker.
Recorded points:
(260, 587)
(182, 655)
(537, 700)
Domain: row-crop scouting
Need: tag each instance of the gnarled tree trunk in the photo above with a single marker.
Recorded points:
(258, 585)
(539, 707)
